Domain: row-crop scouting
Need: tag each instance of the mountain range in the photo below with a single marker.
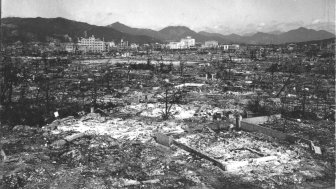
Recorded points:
(175, 33)
(43, 29)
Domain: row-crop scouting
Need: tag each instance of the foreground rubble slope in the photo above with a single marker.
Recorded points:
(120, 152)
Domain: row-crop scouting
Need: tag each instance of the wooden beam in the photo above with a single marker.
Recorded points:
(200, 154)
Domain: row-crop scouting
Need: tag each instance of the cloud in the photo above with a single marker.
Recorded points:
(220, 28)
(262, 24)
(316, 21)
(327, 26)
(266, 27)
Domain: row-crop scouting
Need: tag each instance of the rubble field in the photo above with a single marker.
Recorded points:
(118, 151)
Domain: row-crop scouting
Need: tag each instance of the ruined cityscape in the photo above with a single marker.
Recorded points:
(116, 106)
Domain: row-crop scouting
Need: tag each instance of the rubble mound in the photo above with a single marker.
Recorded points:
(101, 151)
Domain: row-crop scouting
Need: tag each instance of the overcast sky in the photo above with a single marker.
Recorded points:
(224, 16)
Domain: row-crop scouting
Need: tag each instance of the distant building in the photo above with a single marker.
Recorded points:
(123, 43)
(230, 47)
(69, 47)
(157, 46)
(134, 46)
(291, 46)
(174, 45)
(91, 44)
(187, 42)
(331, 46)
(211, 44)
(109, 45)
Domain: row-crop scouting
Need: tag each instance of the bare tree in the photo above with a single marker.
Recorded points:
(171, 96)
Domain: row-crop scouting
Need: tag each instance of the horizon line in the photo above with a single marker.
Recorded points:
(246, 34)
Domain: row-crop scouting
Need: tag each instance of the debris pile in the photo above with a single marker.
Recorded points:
(101, 151)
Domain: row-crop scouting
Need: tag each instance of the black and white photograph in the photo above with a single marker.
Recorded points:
(195, 94)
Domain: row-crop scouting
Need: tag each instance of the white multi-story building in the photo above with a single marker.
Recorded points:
(91, 44)
(230, 47)
(211, 44)
(187, 42)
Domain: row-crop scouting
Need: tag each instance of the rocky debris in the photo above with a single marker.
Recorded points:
(61, 142)
(93, 117)
(65, 121)
(123, 129)
(118, 152)
(285, 161)
(23, 128)
(320, 134)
